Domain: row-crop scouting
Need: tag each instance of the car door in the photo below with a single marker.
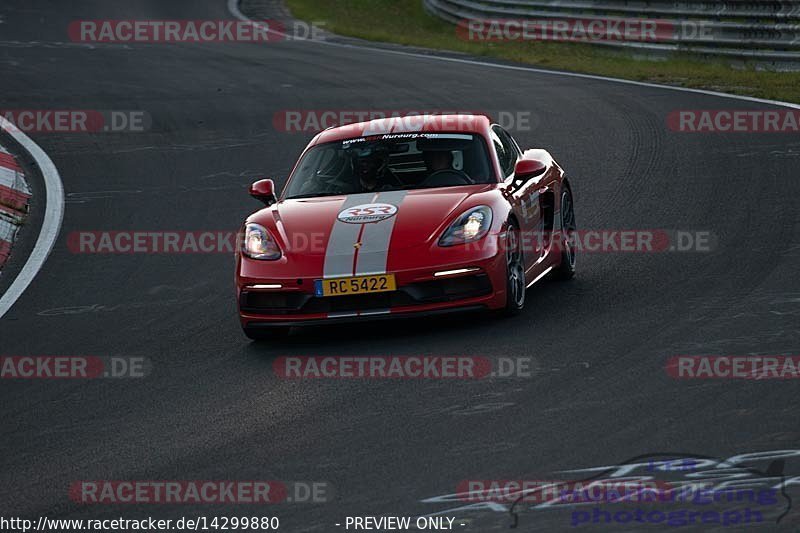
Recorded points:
(523, 196)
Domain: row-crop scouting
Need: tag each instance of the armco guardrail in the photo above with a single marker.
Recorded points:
(745, 29)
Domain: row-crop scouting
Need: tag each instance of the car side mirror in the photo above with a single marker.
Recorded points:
(264, 190)
(526, 169)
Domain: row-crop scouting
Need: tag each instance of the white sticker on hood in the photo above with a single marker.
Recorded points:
(367, 213)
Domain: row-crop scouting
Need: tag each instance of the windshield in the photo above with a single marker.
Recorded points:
(391, 162)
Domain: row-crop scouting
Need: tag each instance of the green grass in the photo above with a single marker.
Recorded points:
(406, 22)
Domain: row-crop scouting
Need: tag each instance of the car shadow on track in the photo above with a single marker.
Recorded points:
(479, 325)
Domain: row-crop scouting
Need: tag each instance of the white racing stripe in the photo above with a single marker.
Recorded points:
(342, 255)
(376, 238)
(344, 258)
(340, 252)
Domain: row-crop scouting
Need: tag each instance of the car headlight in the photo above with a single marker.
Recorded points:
(472, 225)
(259, 244)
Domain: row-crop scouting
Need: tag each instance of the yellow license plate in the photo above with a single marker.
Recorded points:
(355, 285)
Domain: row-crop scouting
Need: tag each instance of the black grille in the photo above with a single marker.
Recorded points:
(446, 290)
(274, 302)
(435, 291)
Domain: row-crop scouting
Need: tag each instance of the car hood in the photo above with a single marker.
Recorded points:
(362, 228)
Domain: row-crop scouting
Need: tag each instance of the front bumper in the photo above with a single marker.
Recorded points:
(418, 292)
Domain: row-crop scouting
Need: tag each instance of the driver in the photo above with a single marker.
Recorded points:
(373, 172)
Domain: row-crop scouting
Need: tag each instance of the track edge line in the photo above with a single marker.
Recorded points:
(233, 8)
(51, 224)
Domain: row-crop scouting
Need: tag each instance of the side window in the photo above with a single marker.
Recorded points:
(501, 152)
(506, 150)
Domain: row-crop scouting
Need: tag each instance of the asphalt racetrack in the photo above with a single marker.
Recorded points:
(212, 408)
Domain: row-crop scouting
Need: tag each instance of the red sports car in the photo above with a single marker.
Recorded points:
(404, 216)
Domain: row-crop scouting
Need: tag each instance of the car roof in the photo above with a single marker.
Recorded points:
(461, 123)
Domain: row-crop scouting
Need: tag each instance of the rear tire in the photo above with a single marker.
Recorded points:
(566, 270)
(266, 334)
(515, 272)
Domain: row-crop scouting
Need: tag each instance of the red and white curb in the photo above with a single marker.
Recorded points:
(14, 197)
(16, 190)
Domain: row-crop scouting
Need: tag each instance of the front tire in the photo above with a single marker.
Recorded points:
(566, 270)
(266, 334)
(515, 272)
